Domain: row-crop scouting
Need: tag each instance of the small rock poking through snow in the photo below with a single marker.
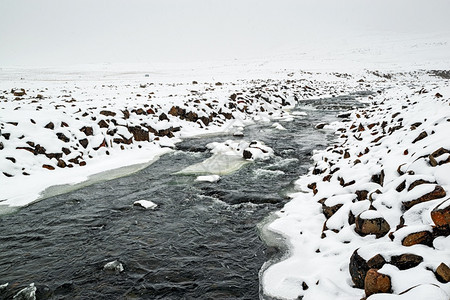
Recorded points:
(114, 267)
(208, 178)
(145, 204)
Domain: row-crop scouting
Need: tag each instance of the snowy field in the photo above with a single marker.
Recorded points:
(371, 219)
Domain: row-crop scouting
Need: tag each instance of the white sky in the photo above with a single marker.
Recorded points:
(60, 32)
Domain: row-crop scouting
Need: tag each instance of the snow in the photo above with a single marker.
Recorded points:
(75, 97)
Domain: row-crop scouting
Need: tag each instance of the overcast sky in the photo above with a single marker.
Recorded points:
(58, 32)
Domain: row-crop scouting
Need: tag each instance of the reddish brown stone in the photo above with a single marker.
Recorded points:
(107, 113)
(441, 214)
(48, 167)
(421, 237)
(437, 193)
(375, 283)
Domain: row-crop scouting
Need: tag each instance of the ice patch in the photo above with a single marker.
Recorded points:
(210, 178)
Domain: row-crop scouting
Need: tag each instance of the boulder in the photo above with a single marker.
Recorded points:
(367, 224)
(437, 193)
(358, 268)
(48, 167)
(421, 136)
(87, 130)
(50, 126)
(84, 143)
(441, 214)
(163, 117)
(376, 282)
(443, 273)
(108, 113)
(421, 237)
(139, 133)
(406, 261)
(433, 157)
(62, 137)
(329, 211)
(103, 124)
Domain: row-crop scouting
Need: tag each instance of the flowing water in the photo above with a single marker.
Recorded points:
(201, 242)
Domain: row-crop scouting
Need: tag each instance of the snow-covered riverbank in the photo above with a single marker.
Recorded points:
(57, 132)
(372, 218)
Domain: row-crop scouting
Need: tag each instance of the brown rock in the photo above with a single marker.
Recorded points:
(177, 111)
(375, 283)
(443, 273)
(163, 117)
(48, 167)
(329, 211)
(126, 114)
(432, 157)
(406, 261)
(66, 151)
(416, 183)
(139, 133)
(54, 155)
(87, 130)
(19, 92)
(437, 193)
(421, 136)
(107, 113)
(62, 137)
(358, 268)
(61, 163)
(377, 226)
(441, 214)
(50, 126)
(103, 124)
(376, 262)
(84, 143)
(421, 237)
(401, 186)
(378, 178)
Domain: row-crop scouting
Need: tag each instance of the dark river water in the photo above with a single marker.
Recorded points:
(202, 241)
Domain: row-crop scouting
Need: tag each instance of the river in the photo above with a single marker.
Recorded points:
(202, 242)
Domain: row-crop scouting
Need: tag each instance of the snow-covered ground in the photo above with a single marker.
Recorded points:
(375, 202)
(374, 190)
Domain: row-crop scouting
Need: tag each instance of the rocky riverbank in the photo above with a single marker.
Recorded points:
(58, 132)
(372, 218)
